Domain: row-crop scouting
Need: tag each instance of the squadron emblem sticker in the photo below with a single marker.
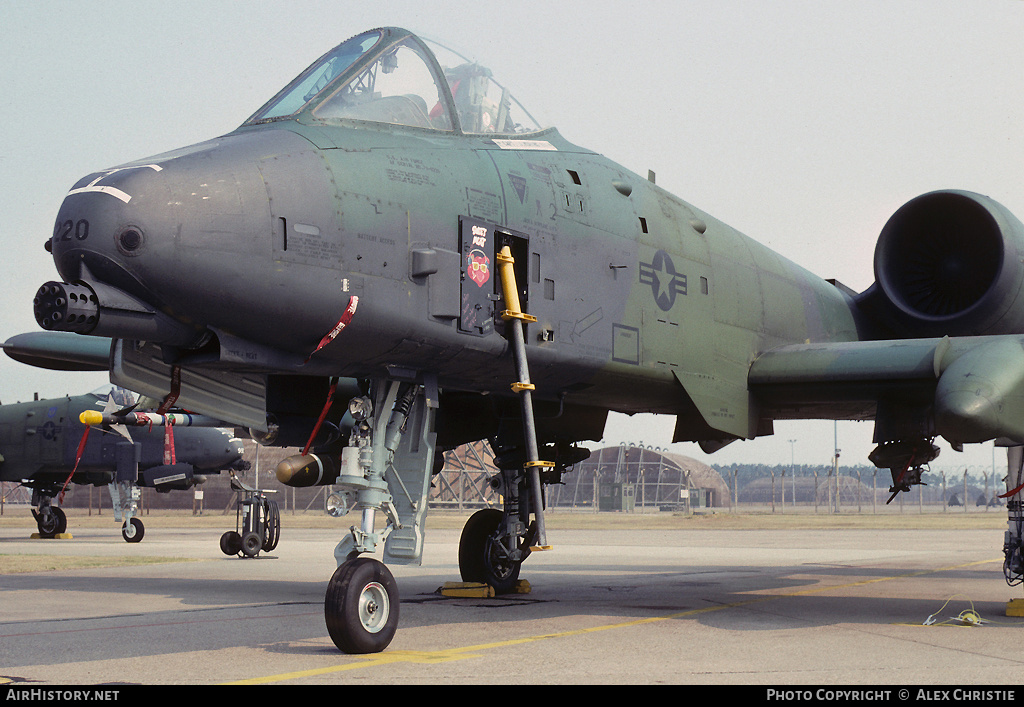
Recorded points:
(476, 242)
(478, 267)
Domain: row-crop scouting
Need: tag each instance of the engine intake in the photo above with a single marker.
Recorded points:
(948, 262)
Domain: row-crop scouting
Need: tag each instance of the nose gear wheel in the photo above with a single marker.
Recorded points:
(133, 530)
(361, 606)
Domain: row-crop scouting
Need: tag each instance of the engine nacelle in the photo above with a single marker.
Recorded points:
(948, 263)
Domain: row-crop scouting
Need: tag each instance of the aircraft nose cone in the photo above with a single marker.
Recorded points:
(231, 447)
(190, 237)
(103, 222)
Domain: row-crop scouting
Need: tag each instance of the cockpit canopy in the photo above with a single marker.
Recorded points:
(391, 76)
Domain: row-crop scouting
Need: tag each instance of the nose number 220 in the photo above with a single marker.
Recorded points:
(66, 230)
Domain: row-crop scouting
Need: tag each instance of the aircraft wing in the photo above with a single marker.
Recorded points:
(59, 351)
(973, 387)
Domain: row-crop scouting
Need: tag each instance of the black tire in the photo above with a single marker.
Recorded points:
(264, 507)
(51, 524)
(272, 530)
(251, 544)
(62, 519)
(479, 558)
(231, 543)
(361, 606)
(133, 530)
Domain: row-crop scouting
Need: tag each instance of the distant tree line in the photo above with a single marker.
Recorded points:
(745, 473)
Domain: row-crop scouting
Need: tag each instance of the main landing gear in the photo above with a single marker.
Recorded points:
(50, 520)
(1013, 538)
(484, 555)
(495, 543)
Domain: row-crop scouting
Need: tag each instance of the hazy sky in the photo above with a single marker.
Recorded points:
(804, 124)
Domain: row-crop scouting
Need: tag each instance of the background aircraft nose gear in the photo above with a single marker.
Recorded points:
(133, 530)
(257, 523)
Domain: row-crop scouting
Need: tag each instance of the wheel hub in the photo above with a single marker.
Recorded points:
(48, 523)
(497, 559)
(373, 607)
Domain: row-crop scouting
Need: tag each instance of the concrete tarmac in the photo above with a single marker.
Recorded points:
(744, 607)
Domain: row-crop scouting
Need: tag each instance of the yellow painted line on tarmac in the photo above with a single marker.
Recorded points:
(464, 652)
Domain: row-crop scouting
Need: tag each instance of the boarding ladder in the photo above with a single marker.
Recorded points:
(517, 321)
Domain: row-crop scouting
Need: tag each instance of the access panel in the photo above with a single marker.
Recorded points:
(476, 244)
(479, 243)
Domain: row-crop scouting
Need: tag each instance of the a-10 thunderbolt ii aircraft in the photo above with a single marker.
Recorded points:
(99, 439)
(394, 220)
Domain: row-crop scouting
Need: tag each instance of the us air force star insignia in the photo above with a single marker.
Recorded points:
(665, 282)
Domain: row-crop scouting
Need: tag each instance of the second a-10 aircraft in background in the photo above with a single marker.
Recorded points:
(394, 224)
(46, 445)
